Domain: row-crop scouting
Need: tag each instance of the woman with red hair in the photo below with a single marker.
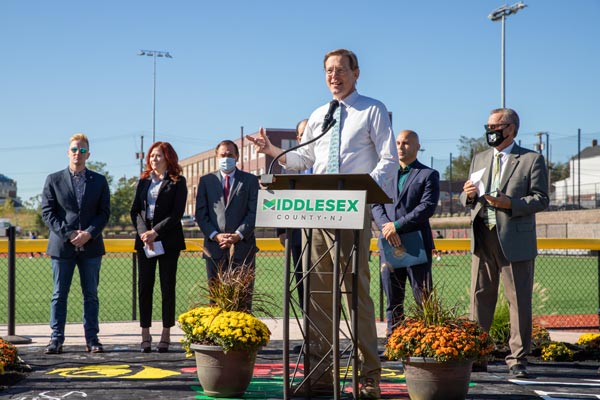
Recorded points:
(156, 215)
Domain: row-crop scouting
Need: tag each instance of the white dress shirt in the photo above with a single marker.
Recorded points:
(367, 143)
(503, 160)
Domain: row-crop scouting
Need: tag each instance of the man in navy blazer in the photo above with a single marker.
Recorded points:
(75, 208)
(226, 213)
(416, 196)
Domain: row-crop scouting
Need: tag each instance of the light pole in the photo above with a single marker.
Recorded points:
(500, 14)
(154, 54)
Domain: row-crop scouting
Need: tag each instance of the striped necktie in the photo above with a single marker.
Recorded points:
(491, 211)
(333, 164)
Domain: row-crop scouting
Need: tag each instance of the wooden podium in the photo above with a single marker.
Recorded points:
(309, 187)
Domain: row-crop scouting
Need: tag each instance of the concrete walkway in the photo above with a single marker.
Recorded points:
(126, 333)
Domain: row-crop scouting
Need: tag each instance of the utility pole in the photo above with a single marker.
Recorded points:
(548, 161)
(450, 185)
(540, 145)
(140, 155)
(579, 169)
(242, 148)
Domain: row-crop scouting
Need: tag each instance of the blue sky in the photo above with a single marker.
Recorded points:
(71, 66)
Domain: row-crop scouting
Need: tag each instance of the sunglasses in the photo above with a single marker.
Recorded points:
(81, 150)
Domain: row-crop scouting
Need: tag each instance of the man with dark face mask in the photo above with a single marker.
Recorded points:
(226, 212)
(507, 186)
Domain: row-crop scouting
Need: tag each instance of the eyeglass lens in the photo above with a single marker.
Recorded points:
(82, 150)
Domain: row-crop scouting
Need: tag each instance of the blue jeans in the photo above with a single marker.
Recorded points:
(89, 276)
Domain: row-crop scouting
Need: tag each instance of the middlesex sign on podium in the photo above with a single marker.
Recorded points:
(331, 209)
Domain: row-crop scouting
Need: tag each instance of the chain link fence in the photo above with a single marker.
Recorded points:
(566, 293)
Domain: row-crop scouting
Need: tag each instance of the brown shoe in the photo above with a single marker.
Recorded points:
(369, 389)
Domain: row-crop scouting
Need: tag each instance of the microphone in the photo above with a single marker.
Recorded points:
(328, 121)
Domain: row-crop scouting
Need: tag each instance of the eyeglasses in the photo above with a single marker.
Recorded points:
(81, 150)
(339, 71)
(493, 127)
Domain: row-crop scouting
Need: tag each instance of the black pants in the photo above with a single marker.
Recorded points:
(167, 270)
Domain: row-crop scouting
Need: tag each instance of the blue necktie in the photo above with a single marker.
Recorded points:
(333, 164)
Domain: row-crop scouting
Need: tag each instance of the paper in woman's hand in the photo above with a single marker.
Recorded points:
(158, 250)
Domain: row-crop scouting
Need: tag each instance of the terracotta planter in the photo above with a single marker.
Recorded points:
(223, 374)
(428, 379)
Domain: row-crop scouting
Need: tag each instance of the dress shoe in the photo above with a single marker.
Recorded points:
(479, 366)
(163, 346)
(94, 347)
(53, 347)
(519, 371)
(369, 389)
(146, 345)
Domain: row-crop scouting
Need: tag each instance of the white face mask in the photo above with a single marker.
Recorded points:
(227, 164)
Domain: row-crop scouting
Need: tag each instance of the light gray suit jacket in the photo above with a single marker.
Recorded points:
(238, 215)
(525, 181)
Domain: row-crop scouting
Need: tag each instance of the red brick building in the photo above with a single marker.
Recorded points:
(203, 163)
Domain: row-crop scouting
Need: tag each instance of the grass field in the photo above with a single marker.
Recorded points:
(564, 285)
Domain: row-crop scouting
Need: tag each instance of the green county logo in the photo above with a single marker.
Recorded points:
(285, 204)
(269, 204)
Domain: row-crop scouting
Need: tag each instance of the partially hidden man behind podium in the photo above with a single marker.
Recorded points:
(361, 141)
(296, 236)
(226, 213)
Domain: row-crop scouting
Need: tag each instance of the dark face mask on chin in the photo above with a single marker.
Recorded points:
(494, 138)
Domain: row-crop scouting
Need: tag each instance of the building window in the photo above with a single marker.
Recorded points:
(288, 143)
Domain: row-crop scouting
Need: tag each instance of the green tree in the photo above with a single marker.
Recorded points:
(8, 209)
(467, 147)
(100, 167)
(558, 171)
(121, 200)
(34, 203)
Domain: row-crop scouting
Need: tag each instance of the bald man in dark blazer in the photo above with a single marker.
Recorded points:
(504, 242)
(414, 202)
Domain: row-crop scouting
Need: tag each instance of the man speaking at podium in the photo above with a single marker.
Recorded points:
(359, 140)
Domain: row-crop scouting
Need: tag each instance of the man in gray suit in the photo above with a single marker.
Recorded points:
(507, 186)
(226, 213)
(75, 207)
